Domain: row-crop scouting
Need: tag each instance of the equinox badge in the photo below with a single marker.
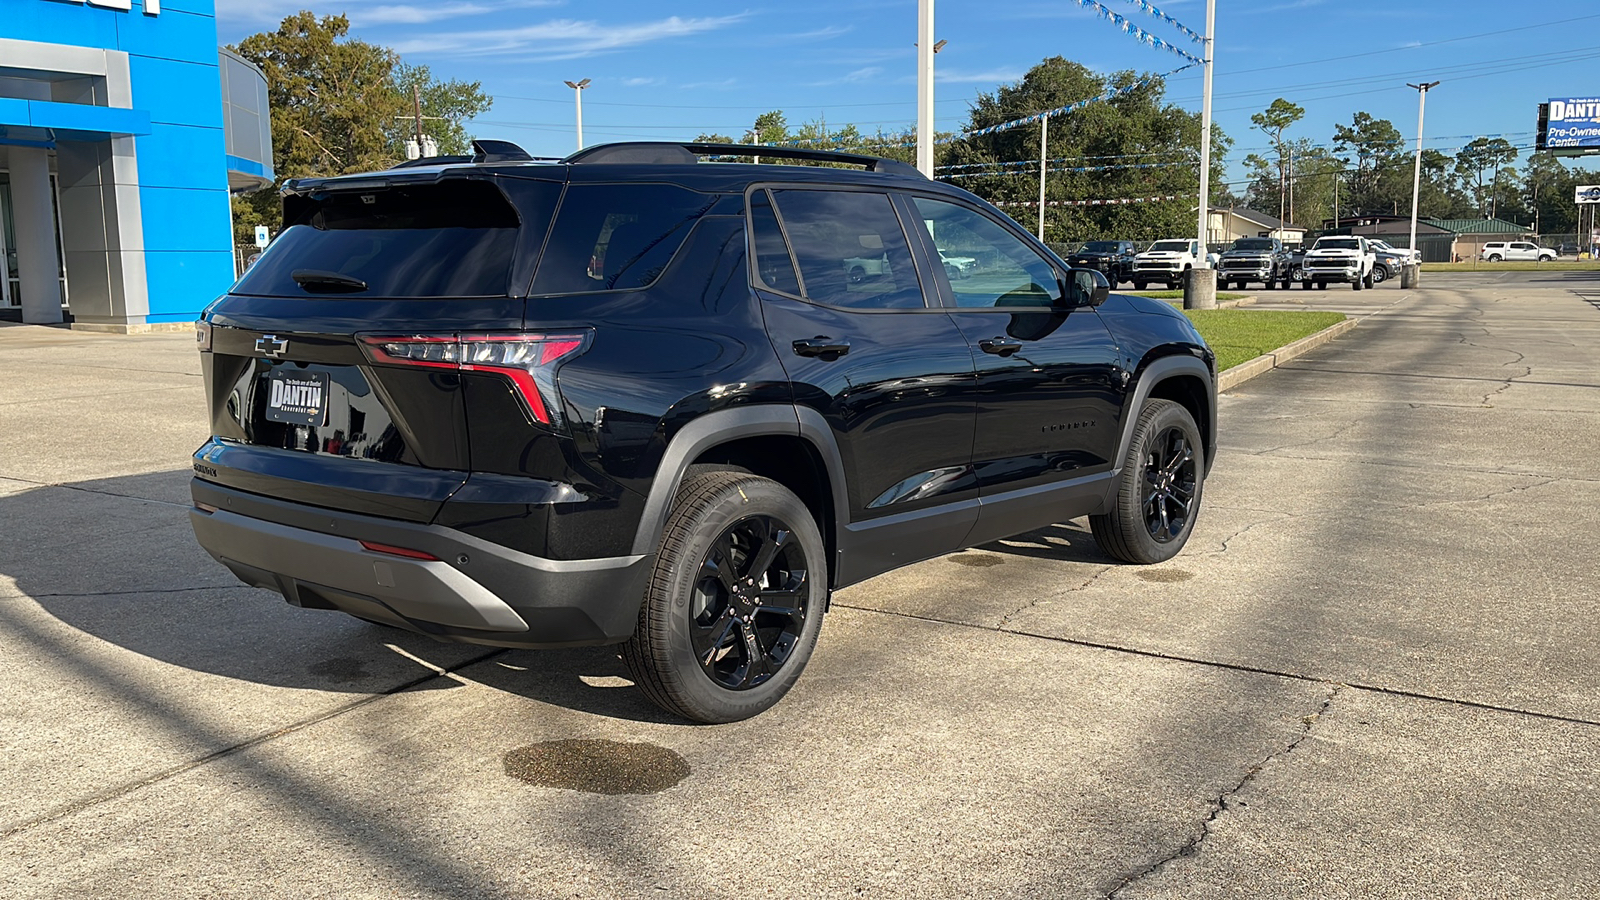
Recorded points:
(271, 345)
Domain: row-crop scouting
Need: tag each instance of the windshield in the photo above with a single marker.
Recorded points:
(1381, 245)
(1171, 246)
(1252, 244)
(1338, 244)
(1100, 247)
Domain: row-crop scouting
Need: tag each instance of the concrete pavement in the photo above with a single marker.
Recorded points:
(1371, 673)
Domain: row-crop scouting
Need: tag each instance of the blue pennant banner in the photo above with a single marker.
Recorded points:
(1151, 9)
(1137, 33)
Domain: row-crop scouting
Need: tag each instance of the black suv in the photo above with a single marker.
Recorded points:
(635, 397)
(1113, 259)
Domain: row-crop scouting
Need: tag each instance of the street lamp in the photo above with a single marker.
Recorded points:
(1416, 172)
(577, 96)
(925, 50)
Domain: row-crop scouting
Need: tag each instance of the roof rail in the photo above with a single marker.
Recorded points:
(667, 152)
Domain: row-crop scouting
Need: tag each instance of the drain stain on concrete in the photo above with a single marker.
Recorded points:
(977, 562)
(340, 669)
(1163, 576)
(597, 766)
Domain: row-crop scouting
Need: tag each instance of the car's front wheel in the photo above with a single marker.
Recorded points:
(735, 602)
(1158, 491)
(1380, 275)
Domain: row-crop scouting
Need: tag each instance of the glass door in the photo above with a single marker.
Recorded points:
(10, 287)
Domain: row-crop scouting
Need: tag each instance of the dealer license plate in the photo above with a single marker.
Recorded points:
(297, 397)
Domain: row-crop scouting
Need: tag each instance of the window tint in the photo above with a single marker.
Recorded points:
(772, 254)
(455, 238)
(1101, 247)
(1252, 244)
(987, 265)
(851, 249)
(611, 237)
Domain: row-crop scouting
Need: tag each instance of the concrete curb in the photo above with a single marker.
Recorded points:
(1266, 362)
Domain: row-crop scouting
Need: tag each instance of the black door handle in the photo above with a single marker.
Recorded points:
(822, 346)
(1000, 346)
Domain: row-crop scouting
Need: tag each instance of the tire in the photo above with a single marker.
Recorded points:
(1149, 521)
(1297, 274)
(1322, 285)
(705, 602)
(1359, 283)
(1273, 285)
(1494, 257)
(1138, 285)
(1371, 280)
(1380, 274)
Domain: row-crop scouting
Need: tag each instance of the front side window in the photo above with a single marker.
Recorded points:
(851, 249)
(987, 265)
(613, 237)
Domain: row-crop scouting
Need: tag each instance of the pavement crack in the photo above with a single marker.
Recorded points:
(1220, 804)
(89, 490)
(1005, 619)
(1479, 499)
(11, 829)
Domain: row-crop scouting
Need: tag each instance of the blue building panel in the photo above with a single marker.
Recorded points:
(174, 34)
(182, 283)
(181, 219)
(182, 156)
(60, 23)
(176, 92)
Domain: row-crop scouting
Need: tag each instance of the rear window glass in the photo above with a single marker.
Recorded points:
(612, 237)
(455, 238)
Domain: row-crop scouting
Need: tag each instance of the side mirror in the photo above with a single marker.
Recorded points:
(1084, 287)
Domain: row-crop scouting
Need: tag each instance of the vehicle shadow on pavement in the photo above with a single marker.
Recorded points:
(1063, 542)
(116, 559)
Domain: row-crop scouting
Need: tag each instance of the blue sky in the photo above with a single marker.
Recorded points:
(673, 70)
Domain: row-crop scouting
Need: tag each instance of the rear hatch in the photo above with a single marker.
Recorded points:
(341, 366)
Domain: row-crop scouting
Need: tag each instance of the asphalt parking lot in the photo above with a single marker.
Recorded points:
(1372, 673)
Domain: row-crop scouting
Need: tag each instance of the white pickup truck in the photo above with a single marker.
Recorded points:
(1348, 259)
(1166, 261)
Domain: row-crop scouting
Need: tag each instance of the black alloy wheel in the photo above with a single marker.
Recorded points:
(1158, 489)
(749, 607)
(1169, 473)
(735, 601)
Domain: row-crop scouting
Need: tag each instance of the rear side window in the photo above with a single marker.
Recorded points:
(454, 238)
(772, 254)
(613, 237)
(851, 249)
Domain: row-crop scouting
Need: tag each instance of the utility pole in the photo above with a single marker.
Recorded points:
(577, 96)
(925, 87)
(1044, 139)
(1205, 125)
(1291, 184)
(1416, 171)
(1200, 288)
(416, 106)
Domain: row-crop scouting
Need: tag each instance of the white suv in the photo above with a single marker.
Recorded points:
(1495, 251)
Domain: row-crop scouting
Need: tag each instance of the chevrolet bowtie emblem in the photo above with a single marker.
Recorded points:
(271, 345)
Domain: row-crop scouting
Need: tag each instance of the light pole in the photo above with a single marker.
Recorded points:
(925, 52)
(1416, 171)
(577, 96)
(1195, 294)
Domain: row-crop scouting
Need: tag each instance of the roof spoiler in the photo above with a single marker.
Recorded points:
(672, 153)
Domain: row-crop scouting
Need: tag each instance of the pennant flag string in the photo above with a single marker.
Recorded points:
(1061, 159)
(1160, 165)
(1118, 202)
(1151, 9)
(1134, 31)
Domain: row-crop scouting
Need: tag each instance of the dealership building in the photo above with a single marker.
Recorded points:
(123, 130)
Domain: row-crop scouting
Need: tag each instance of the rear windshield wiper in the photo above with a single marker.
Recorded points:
(317, 280)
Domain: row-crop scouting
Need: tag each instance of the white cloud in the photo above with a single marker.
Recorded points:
(564, 38)
(641, 82)
(993, 76)
(406, 14)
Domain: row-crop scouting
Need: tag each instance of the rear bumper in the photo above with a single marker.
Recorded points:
(473, 592)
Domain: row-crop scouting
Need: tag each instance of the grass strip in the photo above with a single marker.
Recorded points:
(1177, 295)
(1240, 335)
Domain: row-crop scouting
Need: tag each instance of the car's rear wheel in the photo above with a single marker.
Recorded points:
(1494, 257)
(735, 602)
(1159, 489)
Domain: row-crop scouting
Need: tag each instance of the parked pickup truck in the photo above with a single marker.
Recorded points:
(1262, 260)
(1342, 258)
(1113, 259)
(1165, 261)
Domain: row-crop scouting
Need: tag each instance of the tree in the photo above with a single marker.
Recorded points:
(1273, 122)
(1135, 146)
(1478, 164)
(341, 105)
(1376, 146)
(1546, 194)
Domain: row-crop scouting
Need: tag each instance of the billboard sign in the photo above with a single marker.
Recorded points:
(1588, 193)
(1574, 122)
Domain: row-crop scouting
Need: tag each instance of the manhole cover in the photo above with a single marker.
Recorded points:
(597, 767)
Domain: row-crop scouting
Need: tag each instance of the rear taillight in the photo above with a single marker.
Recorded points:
(527, 360)
(392, 550)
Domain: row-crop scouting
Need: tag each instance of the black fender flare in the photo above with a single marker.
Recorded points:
(714, 428)
(1154, 373)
